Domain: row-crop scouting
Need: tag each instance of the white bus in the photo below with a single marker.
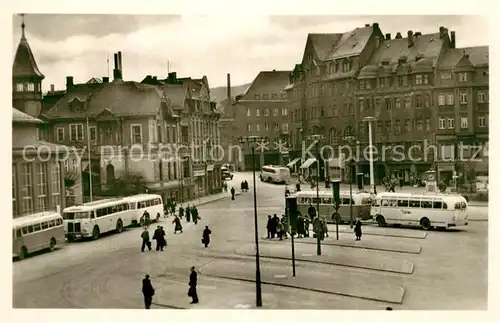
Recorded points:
(36, 232)
(424, 210)
(94, 218)
(361, 203)
(275, 174)
(145, 202)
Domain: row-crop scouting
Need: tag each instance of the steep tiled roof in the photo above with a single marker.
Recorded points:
(323, 44)
(428, 45)
(350, 43)
(21, 117)
(121, 98)
(267, 82)
(24, 61)
(177, 93)
(479, 56)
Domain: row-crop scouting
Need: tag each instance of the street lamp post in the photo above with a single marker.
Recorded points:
(350, 139)
(255, 140)
(370, 143)
(317, 138)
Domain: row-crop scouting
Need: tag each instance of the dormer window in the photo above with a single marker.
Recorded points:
(346, 66)
(462, 77)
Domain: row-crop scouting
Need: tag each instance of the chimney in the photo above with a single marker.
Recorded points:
(52, 88)
(155, 78)
(120, 64)
(115, 56)
(398, 36)
(229, 98)
(388, 36)
(69, 82)
(375, 25)
(441, 32)
(117, 75)
(417, 34)
(105, 79)
(367, 25)
(453, 44)
(410, 38)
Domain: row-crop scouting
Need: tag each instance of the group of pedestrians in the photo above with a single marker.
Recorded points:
(191, 213)
(148, 290)
(277, 227)
(244, 186)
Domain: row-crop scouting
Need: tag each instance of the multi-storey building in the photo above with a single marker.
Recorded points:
(321, 92)
(199, 123)
(27, 100)
(263, 111)
(417, 87)
(37, 173)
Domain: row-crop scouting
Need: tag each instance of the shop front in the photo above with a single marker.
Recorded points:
(199, 182)
(211, 180)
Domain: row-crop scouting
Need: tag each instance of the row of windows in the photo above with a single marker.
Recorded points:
(273, 96)
(449, 123)
(322, 200)
(28, 87)
(276, 127)
(276, 111)
(337, 66)
(386, 126)
(29, 229)
(449, 99)
(419, 204)
(388, 81)
(145, 204)
(111, 209)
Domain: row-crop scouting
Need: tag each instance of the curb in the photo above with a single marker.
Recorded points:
(169, 306)
(363, 247)
(310, 289)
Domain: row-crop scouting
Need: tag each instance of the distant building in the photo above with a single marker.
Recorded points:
(420, 88)
(263, 111)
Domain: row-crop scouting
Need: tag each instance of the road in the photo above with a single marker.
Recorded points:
(402, 268)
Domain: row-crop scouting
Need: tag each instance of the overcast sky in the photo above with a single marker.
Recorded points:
(78, 45)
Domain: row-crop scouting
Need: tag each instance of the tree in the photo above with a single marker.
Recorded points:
(127, 184)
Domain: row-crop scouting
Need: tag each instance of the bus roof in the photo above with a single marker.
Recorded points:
(438, 196)
(141, 197)
(274, 166)
(35, 218)
(313, 193)
(92, 205)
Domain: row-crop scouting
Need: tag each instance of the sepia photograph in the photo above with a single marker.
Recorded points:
(286, 162)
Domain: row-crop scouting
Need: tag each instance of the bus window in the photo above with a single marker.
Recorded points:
(18, 233)
(308, 200)
(81, 215)
(52, 223)
(403, 203)
(30, 227)
(25, 230)
(426, 204)
(327, 200)
(45, 225)
(437, 205)
(36, 227)
(59, 222)
(414, 203)
(458, 206)
(376, 202)
(445, 206)
(316, 200)
(394, 203)
(385, 202)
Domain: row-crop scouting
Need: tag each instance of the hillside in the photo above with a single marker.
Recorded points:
(220, 93)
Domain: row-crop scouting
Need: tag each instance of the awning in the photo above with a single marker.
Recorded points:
(308, 163)
(293, 162)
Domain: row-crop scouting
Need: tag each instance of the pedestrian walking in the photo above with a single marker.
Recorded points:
(279, 230)
(311, 211)
(206, 236)
(246, 186)
(188, 213)
(357, 230)
(146, 218)
(306, 226)
(300, 226)
(297, 187)
(181, 212)
(163, 238)
(324, 226)
(178, 225)
(156, 237)
(193, 282)
(145, 240)
(284, 221)
(242, 186)
(195, 214)
(274, 226)
(233, 191)
(268, 226)
(148, 291)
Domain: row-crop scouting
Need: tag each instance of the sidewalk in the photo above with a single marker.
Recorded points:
(204, 200)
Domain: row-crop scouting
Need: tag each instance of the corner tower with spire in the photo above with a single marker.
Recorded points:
(26, 79)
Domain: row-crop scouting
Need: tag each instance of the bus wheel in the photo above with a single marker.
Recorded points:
(95, 233)
(52, 244)
(381, 221)
(158, 217)
(119, 226)
(425, 224)
(23, 253)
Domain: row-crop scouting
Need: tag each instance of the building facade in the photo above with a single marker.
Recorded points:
(263, 111)
(37, 173)
(418, 88)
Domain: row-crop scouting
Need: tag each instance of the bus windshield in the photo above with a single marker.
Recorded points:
(76, 215)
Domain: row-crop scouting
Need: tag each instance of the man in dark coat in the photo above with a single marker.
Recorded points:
(181, 211)
(206, 236)
(357, 230)
(311, 211)
(156, 236)
(297, 187)
(178, 225)
(242, 186)
(145, 240)
(188, 213)
(148, 291)
(306, 226)
(146, 217)
(274, 227)
(193, 281)
(246, 186)
(163, 238)
(268, 226)
(233, 191)
(196, 217)
(300, 226)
